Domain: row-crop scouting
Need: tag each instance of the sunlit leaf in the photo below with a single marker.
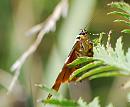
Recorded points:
(71, 103)
(121, 5)
(94, 103)
(81, 60)
(122, 21)
(126, 31)
(125, 15)
(82, 103)
(108, 60)
(85, 68)
(97, 70)
(115, 57)
(106, 74)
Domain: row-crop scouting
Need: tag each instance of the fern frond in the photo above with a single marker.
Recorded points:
(116, 58)
(85, 68)
(98, 70)
(123, 14)
(70, 103)
(122, 21)
(121, 5)
(81, 60)
(63, 102)
(94, 103)
(107, 62)
(126, 31)
(106, 74)
(126, 13)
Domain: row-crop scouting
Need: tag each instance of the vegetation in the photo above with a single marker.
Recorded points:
(108, 61)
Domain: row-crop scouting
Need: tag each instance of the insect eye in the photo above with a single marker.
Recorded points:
(78, 37)
(82, 33)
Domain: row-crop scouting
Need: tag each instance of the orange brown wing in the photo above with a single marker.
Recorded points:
(82, 47)
(66, 71)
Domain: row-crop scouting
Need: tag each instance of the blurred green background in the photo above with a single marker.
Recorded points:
(18, 16)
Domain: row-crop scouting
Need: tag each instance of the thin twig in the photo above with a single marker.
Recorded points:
(43, 28)
(60, 10)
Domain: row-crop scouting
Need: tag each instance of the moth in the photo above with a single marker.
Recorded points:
(82, 47)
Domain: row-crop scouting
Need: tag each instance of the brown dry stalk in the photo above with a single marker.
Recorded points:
(48, 25)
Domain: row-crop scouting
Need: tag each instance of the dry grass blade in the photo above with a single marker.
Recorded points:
(43, 28)
(60, 10)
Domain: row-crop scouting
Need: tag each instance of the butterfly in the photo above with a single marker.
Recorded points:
(82, 47)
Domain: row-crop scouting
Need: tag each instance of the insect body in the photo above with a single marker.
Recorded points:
(82, 47)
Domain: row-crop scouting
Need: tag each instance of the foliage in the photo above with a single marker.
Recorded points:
(124, 12)
(79, 103)
(107, 61)
(62, 102)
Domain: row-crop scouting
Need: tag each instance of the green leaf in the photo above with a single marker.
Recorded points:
(121, 5)
(85, 68)
(97, 70)
(82, 103)
(123, 21)
(80, 60)
(107, 59)
(62, 102)
(113, 57)
(125, 15)
(70, 103)
(94, 103)
(106, 74)
(126, 31)
(120, 57)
